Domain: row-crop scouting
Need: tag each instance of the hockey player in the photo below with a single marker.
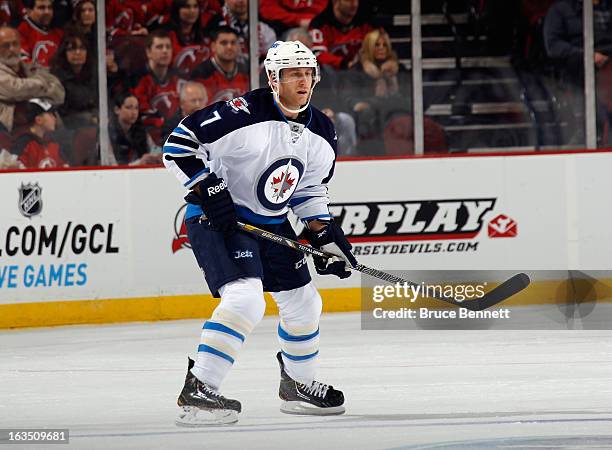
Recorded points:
(254, 158)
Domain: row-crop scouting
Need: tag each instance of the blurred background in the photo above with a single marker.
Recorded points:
(86, 83)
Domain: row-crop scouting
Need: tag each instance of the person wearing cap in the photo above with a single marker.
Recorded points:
(20, 81)
(253, 158)
(33, 146)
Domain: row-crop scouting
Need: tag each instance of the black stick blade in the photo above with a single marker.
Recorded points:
(507, 289)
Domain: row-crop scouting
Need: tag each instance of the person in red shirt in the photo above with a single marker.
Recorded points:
(285, 14)
(158, 89)
(33, 146)
(337, 33)
(190, 46)
(223, 76)
(39, 42)
(125, 18)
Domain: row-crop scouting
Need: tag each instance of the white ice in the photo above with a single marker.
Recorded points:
(115, 386)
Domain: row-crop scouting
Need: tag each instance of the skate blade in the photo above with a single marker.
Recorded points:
(190, 416)
(303, 408)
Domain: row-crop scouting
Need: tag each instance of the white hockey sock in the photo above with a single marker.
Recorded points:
(300, 353)
(241, 308)
(298, 331)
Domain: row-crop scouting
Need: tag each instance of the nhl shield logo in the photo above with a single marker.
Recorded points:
(30, 199)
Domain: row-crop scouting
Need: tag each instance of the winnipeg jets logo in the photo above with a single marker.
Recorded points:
(281, 184)
(239, 104)
(278, 182)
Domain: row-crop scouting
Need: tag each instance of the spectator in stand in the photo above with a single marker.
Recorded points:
(125, 18)
(190, 46)
(127, 133)
(84, 22)
(376, 73)
(236, 16)
(192, 98)
(157, 91)
(337, 33)
(73, 64)
(285, 14)
(39, 42)
(33, 145)
(21, 81)
(223, 75)
(117, 80)
(563, 39)
(379, 88)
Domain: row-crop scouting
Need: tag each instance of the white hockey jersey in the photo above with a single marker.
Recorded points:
(270, 164)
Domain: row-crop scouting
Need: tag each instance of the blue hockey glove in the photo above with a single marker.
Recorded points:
(331, 239)
(216, 202)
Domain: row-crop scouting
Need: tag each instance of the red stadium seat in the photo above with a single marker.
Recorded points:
(399, 136)
(84, 147)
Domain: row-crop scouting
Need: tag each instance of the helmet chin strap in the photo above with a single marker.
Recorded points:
(276, 94)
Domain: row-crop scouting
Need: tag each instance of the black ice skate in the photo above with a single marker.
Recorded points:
(201, 405)
(312, 399)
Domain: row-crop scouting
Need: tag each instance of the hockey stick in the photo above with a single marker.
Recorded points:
(505, 290)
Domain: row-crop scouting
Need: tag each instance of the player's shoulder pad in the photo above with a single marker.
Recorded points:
(323, 126)
(224, 117)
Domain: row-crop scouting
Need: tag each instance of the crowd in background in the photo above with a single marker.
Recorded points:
(168, 58)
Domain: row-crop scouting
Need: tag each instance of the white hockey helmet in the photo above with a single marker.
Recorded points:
(286, 55)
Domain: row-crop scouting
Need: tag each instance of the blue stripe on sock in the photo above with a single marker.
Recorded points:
(207, 349)
(220, 327)
(300, 358)
(288, 337)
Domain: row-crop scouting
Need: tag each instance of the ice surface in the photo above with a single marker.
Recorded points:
(115, 386)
